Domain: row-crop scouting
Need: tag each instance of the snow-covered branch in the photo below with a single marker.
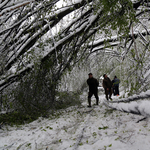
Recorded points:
(142, 95)
(115, 38)
(14, 77)
(26, 26)
(8, 6)
(127, 104)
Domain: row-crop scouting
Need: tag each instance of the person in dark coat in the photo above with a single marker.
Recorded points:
(107, 85)
(116, 85)
(113, 88)
(93, 89)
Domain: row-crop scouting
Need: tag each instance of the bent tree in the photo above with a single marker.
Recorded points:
(40, 40)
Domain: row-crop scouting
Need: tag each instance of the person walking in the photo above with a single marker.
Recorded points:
(107, 85)
(113, 88)
(93, 89)
(116, 85)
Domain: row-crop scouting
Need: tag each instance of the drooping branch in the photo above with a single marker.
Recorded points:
(4, 83)
(23, 34)
(45, 28)
(6, 7)
(115, 38)
(126, 104)
(133, 98)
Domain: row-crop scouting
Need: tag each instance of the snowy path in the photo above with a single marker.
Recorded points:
(96, 128)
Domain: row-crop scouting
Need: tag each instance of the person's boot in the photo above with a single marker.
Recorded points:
(89, 101)
(97, 100)
(110, 97)
(107, 97)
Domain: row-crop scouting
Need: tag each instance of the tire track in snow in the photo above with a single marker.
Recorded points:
(85, 125)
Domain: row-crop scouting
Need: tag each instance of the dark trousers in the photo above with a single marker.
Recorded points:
(113, 90)
(116, 90)
(90, 94)
(108, 92)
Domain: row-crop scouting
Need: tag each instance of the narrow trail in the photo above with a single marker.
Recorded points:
(83, 128)
(80, 128)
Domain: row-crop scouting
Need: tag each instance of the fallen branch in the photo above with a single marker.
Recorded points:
(138, 108)
(133, 98)
(141, 119)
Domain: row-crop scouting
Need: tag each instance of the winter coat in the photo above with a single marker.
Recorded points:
(116, 82)
(93, 84)
(107, 83)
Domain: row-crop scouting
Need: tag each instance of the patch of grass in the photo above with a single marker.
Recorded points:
(48, 127)
(80, 144)
(103, 128)
(117, 139)
(44, 130)
(66, 99)
(105, 147)
(94, 134)
(65, 130)
(28, 144)
(109, 111)
(16, 118)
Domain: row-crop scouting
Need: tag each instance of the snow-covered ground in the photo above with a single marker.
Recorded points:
(80, 128)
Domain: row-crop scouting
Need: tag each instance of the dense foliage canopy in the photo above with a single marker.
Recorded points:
(42, 39)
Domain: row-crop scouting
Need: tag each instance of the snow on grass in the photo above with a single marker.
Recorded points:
(82, 128)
